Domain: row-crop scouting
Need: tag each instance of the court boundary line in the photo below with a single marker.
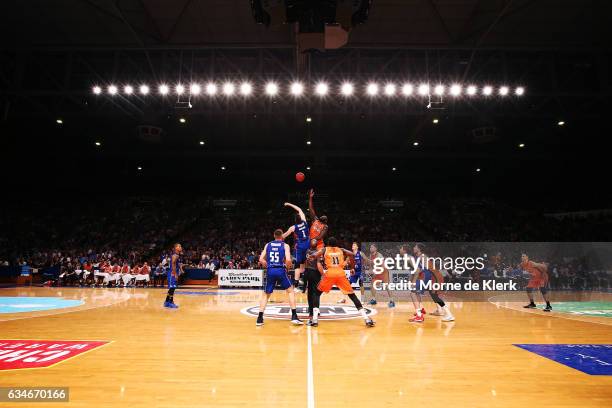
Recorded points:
(552, 314)
(310, 371)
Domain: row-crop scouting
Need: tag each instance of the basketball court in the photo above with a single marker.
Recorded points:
(210, 353)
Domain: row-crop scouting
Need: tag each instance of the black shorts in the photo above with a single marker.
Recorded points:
(312, 277)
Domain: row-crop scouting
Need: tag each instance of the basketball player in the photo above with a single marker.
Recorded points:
(538, 280)
(276, 258)
(382, 277)
(358, 259)
(319, 227)
(302, 243)
(425, 273)
(176, 268)
(312, 277)
(334, 275)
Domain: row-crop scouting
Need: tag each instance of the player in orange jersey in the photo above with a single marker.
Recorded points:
(334, 258)
(538, 280)
(318, 227)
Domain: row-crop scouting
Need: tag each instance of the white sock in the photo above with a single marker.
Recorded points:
(363, 314)
(446, 310)
(315, 314)
(418, 312)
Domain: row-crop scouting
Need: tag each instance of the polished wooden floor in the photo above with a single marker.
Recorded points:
(207, 353)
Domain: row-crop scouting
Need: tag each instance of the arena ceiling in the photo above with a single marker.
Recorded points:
(51, 52)
(557, 24)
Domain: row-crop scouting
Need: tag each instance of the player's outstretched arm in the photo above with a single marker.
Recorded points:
(317, 254)
(348, 253)
(289, 231)
(298, 209)
(311, 209)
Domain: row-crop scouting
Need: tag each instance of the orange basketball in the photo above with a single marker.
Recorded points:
(300, 177)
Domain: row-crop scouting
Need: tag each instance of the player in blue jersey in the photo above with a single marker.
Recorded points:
(276, 258)
(359, 259)
(302, 241)
(175, 269)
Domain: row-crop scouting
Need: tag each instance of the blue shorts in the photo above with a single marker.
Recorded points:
(274, 276)
(356, 278)
(420, 283)
(300, 252)
(172, 281)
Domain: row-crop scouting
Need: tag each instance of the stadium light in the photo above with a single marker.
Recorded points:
(478, 170)
(439, 90)
(321, 89)
(519, 91)
(347, 89)
(308, 142)
(180, 89)
(487, 90)
(435, 121)
(246, 88)
(211, 88)
(423, 89)
(271, 88)
(201, 143)
(307, 167)
(97, 90)
(390, 89)
(182, 120)
(561, 123)
(372, 89)
(222, 167)
(112, 90)
(503, 91)
(128, 90)
(297, 89)
(59, 121)
(455, 90)
(144, 89)
(139, 168)
(195, 89)
(308, 119)
(407, 89)
(471, 90)
(394, 169)
(228, 89)
(98, 144)
(163, 89)
(521, 145)
(415, 143)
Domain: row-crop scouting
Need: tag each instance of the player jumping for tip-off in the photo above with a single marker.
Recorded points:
(318, 228)
(302, 242)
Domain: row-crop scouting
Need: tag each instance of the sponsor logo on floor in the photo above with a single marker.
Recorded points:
(601, 309)
(22, 354)
(17, 304)
(328, 312)
(592, 359)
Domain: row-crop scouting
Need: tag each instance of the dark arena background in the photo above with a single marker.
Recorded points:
(439, 171)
